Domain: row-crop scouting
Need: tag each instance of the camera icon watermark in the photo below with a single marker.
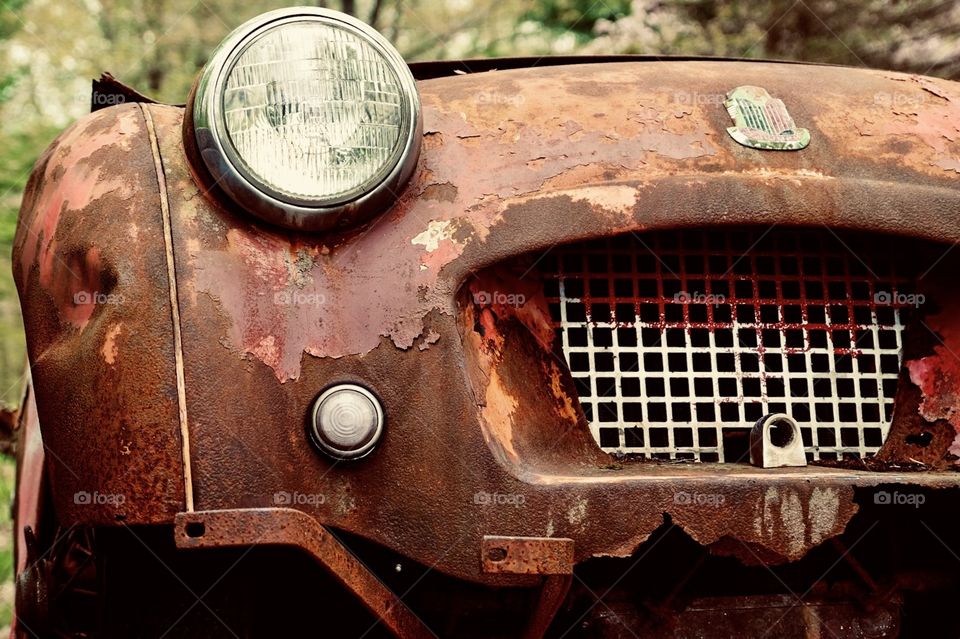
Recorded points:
(891, 298)
(84, 298)
(86, 498)
(897, 498)
(295, 498)
(483, 498)
(299, 298)
(698, 297)
(712, 500)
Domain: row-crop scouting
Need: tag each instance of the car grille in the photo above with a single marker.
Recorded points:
(678, 342)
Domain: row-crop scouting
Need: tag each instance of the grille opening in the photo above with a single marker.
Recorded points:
(678, 342)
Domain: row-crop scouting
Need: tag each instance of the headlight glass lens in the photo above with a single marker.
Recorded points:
(314, 113)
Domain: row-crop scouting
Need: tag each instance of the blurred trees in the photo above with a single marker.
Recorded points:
(920, 36)
(9, 24)
(16, 157)
(50, 50)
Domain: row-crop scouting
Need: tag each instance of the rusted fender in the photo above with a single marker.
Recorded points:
(90, 266)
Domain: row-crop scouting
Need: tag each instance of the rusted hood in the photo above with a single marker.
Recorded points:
(645, 143)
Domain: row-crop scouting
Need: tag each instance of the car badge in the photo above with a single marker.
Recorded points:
(762, 122)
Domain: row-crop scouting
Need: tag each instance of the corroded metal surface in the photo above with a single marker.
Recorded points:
(90, 268)
(484, 434)
(634, 146)
(527, 555)
(283, 526)
(926, 428)
(553, 592)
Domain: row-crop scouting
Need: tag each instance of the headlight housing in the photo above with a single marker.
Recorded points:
(307, 118)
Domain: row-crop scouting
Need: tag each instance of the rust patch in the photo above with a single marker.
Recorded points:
(445, 192)
(87, 181)
(281, 526)
(527, 555)
(925, 431)
(90, 270)
(938, 375)
(479, 163)
(110, 349)
(921, 113)
(785, 523)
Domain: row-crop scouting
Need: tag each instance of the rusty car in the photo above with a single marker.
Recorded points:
(593, 347)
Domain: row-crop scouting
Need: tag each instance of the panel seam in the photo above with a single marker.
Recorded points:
(174, 310)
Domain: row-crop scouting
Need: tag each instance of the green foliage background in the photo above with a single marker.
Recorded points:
(51, 49)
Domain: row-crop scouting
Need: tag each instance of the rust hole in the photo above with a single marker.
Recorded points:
(920, 439)
(497, 554)
(195, 529)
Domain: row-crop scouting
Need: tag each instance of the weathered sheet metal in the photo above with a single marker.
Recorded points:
(89, 265)
(512, 162)
(634, 146)
(527, 555)
(926, 428)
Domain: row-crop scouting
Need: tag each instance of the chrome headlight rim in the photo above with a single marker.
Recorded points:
(229, 172)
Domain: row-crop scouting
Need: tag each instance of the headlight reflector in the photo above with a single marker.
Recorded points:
(307, 117)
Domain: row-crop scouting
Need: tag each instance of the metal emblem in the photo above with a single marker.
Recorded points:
(762, 122)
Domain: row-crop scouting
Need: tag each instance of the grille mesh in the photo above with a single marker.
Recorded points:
(678, 342)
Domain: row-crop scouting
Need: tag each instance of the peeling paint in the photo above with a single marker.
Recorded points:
(904, 115)
(824, 509)
(577, 513)
(938, 377)
(89, 264)
(436, 233)
(431, 337)
(480, 166)
(109, 350)
(498, 410)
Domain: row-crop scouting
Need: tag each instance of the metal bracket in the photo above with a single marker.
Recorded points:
(775, 441)
(527, 555)
(288, 527)
(548, 556)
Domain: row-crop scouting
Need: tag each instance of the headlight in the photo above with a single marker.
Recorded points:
(307, 118)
